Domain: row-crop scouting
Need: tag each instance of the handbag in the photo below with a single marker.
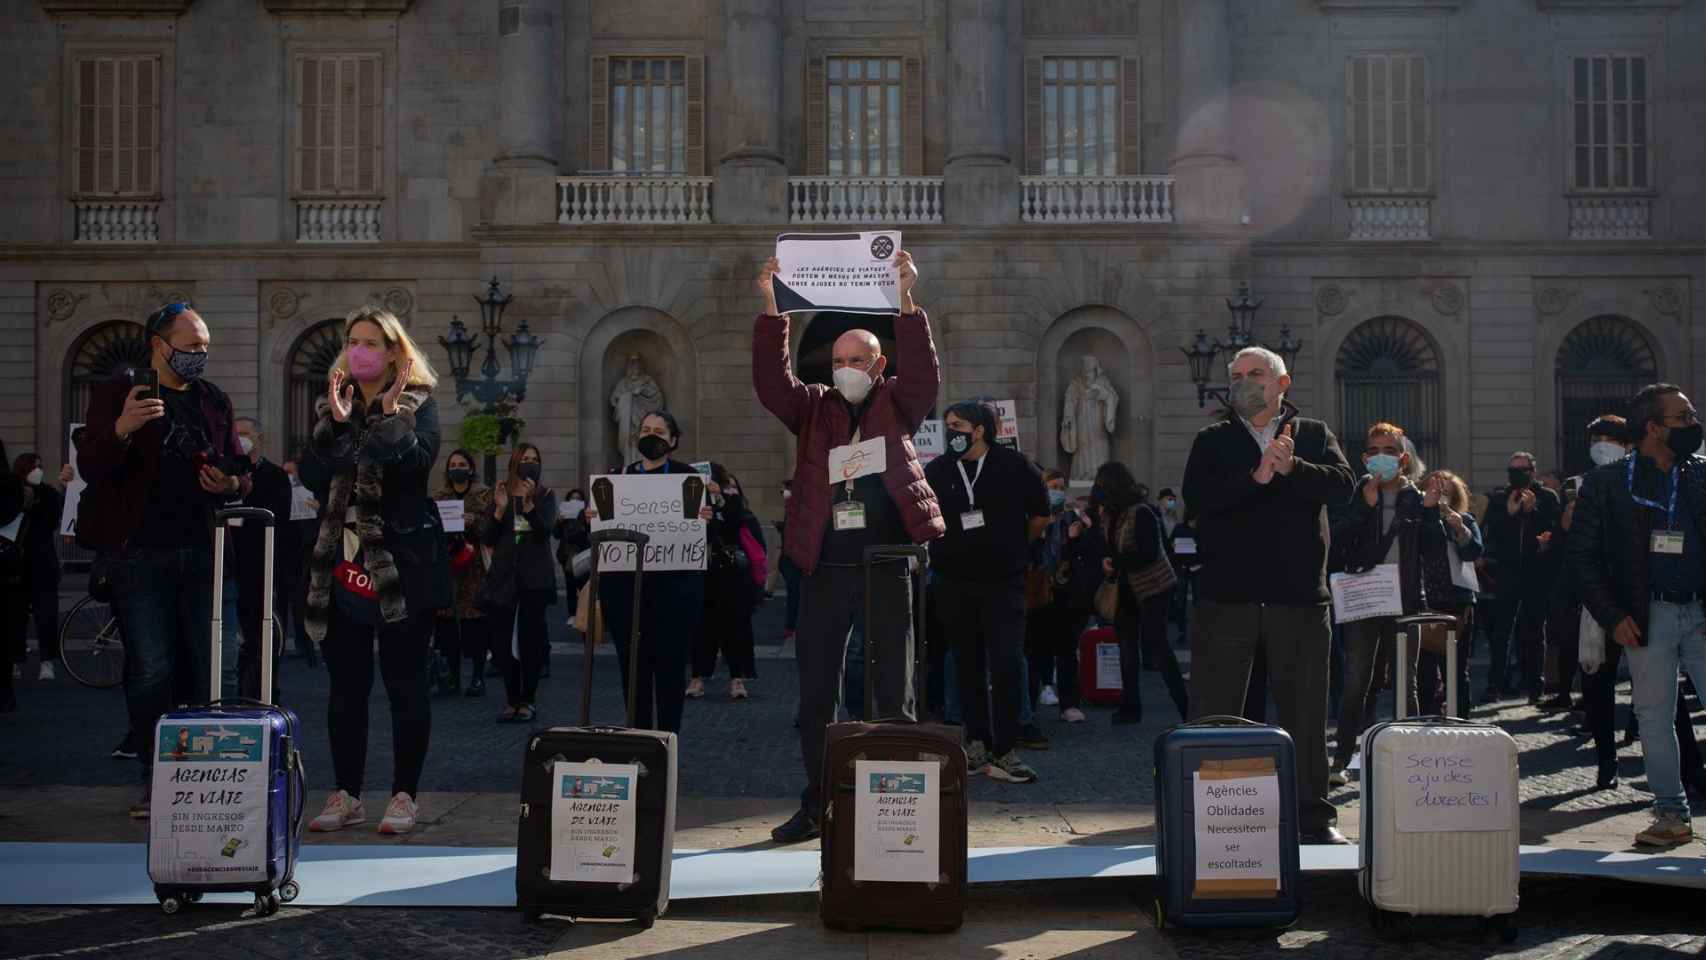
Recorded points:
(585, 606)
(1156, 577)
(1431, 637)
(1107, 602)
(1039, 588)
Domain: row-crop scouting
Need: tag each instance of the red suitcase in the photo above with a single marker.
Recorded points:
(1099, 666)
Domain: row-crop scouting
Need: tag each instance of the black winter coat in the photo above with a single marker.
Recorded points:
(1610, 537)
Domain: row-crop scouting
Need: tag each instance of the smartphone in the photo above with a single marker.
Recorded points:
(147, 377)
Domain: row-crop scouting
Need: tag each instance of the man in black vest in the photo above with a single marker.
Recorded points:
(1260, 481)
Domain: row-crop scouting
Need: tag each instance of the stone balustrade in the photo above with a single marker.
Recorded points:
(338, 221)
(1096, 199)
(621, 199)
(865, 200)
(1611, 217)
(1391, 218)
(118, 221)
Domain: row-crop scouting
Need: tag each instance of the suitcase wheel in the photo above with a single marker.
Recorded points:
(531, 915)
(171, 903)
(1394, 926)
(1504, 926)
(192, 896)
(645, 920)
(266, 904)
(290, 891)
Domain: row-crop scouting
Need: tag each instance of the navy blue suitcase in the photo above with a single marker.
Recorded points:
(1223, 747)
(228, 789)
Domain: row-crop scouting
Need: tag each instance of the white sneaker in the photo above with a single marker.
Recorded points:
(1336, 775)
(1048, 698)
(1072, 715)
(400, 815)
(47, 672)
(341, 811)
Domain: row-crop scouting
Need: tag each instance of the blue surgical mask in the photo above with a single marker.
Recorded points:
(1383, 467)
(1056, 501)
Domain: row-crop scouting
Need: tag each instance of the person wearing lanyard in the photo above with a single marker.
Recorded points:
(995, 504)
(1637, 555)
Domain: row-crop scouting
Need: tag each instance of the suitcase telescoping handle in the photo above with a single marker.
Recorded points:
(884, 554)
(595, 620)
(1413, 625)
(221, 520)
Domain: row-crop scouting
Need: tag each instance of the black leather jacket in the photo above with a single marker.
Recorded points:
(1607, 551)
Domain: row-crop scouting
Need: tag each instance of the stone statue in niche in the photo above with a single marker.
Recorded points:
(1087, 420)
(636, 395)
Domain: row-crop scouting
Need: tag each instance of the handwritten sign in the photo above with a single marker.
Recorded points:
(897, 821)
(302, 504)
(928, 441)
(846, 272)
(1463, 574)
(592, 821)
(1108, 667)
(1185, 546)
(1007, 432)
(1363, 596)
(1465, 787)
(857, 460)
(209, 796)
(451, 513)
(1237, 807)
(74, 489)
(656, 505)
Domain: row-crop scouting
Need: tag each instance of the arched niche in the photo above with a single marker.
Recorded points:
(667, 354)
(818, 333)
(1127, 358)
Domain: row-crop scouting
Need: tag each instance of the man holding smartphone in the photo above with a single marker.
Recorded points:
(160, 454)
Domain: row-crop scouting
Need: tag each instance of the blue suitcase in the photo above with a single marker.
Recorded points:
(1237, 782)
(228, 788)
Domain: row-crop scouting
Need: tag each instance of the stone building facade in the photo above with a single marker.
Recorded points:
(1482, 218)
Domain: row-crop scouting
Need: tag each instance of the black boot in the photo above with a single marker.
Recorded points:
(477, 679)
(1608, 773)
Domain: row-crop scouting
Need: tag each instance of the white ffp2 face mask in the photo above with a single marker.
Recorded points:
(853, 383)
(35, 477)
(1605, 452)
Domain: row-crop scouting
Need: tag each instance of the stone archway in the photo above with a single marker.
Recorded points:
(669, 357)
(1127, 357)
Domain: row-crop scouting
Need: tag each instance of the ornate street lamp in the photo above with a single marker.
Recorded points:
(1204, 352)
(497, 397)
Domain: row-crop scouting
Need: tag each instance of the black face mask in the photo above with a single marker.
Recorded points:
(653, 447)
(459, 476)
(528, 471)
(959, 441)
(1520, 478)
(1683, 441)
(1097, 496)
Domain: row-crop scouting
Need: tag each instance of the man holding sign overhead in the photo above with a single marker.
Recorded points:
(1260, 480)
(856, 483)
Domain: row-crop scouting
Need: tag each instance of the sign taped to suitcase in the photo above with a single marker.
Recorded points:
(898, 822)
(592, 821)
(1237, 805)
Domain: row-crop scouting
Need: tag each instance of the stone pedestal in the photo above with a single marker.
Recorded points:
(1209, 182)
(980, 184)
(981, 191)
(519, 192)
(750, 190)
(752, 180)
(521, 186)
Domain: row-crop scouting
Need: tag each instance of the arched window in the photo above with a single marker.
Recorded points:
(812, 361)
(1603, 362)
(311, 356)
(99, 355)
(1388, 370)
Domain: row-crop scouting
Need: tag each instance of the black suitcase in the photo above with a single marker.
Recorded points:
(848, 902)
(590, 866)
(1233, 750)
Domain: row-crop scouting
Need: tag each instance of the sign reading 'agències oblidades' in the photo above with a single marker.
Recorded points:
(845, 272)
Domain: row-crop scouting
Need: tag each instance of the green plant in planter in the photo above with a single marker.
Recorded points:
(481, 435)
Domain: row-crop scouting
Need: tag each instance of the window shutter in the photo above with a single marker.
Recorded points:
(912, 116)
(84, 132)
(1423, 166)
(817, 118)
(368, 130)
(147, 125)
(1351, 178)
(1131, 119)
(695, 116)
(1033, 115)
(307, 122)
(598, 115)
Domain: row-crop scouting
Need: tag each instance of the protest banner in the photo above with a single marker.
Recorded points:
(844, 272)
(928, 441)
(1363, 596)
(1007, 431)
(664, 507)
(1236, 803)
(74, 489)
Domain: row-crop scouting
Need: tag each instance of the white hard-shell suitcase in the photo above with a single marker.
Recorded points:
(1440, 810)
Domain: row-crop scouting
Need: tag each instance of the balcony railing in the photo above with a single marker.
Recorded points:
(1096, 199)
(633, 199)
(118, 221)
(870, 200)
(1391, 218)
(337, 221)
(1611, 218)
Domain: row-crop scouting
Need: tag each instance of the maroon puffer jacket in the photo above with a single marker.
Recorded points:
(821, 421)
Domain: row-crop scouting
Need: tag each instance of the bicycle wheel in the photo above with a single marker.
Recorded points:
(90, 645)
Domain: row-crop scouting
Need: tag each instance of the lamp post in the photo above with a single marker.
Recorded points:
(1203, 351)
(497, 397)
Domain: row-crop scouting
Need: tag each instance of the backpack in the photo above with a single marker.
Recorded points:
(757, 564)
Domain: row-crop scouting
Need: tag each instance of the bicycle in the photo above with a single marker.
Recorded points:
(91, 646)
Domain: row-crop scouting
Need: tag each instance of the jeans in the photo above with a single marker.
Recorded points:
(164, 598)
(230, 647)
(986, 622)
(1027, 710)
(1673, 640)
(1518, 622)
(1052, 638)
(527, 621)
(853, 670)
(403, 663)
(951, 692)
(1369, 649)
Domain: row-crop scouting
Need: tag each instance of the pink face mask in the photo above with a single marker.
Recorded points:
(366, 363)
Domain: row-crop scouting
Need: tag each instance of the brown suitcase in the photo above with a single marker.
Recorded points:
(847, 902)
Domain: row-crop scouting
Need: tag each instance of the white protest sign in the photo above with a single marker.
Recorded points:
(74, 489)
(1464, 787)
(846, 272)
(928, 441)
(1108, 667)
(857, 460)
(1362, 596)
(1007, 432)
(658, 506)
(450, 512)
(209, 822)
(897, 821)
(592, 821)
(1463, 574)
(1237, 806)
(302, 505)
(1185, 546)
